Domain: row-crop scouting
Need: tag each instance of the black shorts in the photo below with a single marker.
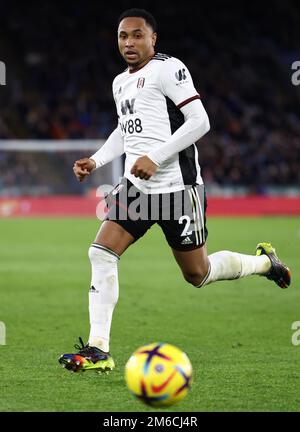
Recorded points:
(181, 215)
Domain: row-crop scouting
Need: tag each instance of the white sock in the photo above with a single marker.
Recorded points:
(226, 265)
(103, 294)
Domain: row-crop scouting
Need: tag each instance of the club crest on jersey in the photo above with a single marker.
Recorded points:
(140, 83)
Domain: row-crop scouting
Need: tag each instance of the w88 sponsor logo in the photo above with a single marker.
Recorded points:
(132, 126)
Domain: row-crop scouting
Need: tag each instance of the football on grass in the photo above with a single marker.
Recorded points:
(159, 374)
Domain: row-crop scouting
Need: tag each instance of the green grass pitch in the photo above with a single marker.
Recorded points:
(237, 334)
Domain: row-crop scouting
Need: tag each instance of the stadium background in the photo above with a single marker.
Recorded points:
(61, 58)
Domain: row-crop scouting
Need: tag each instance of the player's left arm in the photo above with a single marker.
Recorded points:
(196, 124)
(176, 83)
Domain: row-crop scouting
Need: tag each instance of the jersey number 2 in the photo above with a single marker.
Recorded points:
(185, 231)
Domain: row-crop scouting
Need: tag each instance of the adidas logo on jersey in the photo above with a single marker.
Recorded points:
(187, 240)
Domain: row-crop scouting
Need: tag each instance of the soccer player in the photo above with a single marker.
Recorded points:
(160, 117)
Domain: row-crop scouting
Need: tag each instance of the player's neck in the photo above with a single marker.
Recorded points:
(135, 68)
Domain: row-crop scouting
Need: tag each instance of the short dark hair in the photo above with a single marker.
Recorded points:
(140, 13)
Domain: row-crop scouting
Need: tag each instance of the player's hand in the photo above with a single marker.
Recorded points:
(83, 167)
(143, 168)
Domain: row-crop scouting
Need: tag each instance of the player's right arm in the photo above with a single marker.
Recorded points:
(111, 149)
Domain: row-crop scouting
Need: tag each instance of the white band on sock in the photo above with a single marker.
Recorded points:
(204, 282)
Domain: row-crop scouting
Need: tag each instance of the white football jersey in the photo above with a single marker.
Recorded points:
(148, 104)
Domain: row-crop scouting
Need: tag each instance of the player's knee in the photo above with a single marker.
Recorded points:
(196, 277)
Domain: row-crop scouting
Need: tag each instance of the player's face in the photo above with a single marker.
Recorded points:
(136, 41)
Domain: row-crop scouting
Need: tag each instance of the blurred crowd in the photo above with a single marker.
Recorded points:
(61, 60)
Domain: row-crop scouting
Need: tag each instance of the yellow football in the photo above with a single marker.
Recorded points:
(159, 374)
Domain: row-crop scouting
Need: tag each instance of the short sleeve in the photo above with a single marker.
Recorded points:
(177, 83)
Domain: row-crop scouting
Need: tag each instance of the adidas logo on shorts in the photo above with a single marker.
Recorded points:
(187, 240)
